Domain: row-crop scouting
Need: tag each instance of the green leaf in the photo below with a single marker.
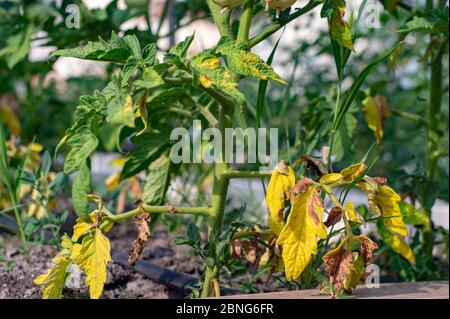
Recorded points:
(434, 22)
(193, 233)
(149, 79)
(80, 189)
(120, 111)
(243, 62)
(81, 146)
(116, 50)
(263, 86)
(149, 54)
(327, 9)
(343, 139)
(157, 182)
(17, 46)
(180, 49)
(339, 28)
(352, 92)
(413, 216)
(149, 147)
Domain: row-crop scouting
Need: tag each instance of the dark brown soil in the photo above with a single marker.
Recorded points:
(17, 271)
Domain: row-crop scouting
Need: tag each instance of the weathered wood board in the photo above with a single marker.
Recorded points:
(419, 290)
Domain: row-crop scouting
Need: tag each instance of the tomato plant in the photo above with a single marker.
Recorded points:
(147, 97)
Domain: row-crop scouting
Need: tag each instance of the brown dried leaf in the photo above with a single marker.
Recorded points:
(334, 217)
(250, 251)
(367, 249)
(380, 180)
(314, 164)
(142, 221)
(299, 188)
(337, 264)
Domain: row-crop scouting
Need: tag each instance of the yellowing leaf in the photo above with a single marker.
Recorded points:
(339, 29)
(299, 237)
(353, 172)
(387, 200)
(8, 117)
(357, 270)
(396, 243)
(112, 182)
(281, 181)
(93, 259)
(80, 228)
(55, 277)
(376, 110)
(331, 178)
(352, 215)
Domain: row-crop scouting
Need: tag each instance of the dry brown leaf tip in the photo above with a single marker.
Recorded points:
(142, 221)
(300, 187)
(338, 264)
(334, 217)
(368, 247)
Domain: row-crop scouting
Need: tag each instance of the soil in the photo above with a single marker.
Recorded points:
(18, 271)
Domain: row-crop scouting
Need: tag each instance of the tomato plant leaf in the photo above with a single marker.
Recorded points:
(81, 146)
(157, 181)
(93, 259)
(80, 189)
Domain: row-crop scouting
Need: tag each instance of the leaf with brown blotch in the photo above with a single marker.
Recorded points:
(334, 217)
(250, 251)
(337, 264)
(299, 188)
(367, 249)
(142, 221)
(315, 164)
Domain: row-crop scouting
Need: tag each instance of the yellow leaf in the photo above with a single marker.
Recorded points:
(55, 277)
(299, 237)
(80, 228)
(93, 259)
(376, 109)
(281, 181)
(352, 215)
(331, 178)
(387, 200)
(397, 244)
(353, 172)
(112, 182)
(9, 118)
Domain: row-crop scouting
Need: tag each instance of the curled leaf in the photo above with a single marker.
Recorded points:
(334, 217)
(352, 215)
(315, 164)
(376, 110)
(337, 264)
(142, 221)
(352, 172)
(367, 249)
(332, 178)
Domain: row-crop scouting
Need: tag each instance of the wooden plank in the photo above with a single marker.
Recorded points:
(419, 290)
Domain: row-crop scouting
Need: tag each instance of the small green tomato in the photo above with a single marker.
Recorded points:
(228, 4)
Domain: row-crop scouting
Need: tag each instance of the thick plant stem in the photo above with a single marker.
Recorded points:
(222, 20)
(246, 19)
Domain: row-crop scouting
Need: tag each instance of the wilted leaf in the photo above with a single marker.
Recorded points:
(337, 264)
(376, 110)
(80, 228)
(388, 202)
(367, 249)
(334, 217)
(353, 172)
(299, 236)
(142, 221)
(315, 164)
(332, 178)
(357, 270)
(281, 181)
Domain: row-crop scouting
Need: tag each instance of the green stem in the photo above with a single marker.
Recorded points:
(334, 128)
(267, 32)
(245, 21)
(222, 20)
